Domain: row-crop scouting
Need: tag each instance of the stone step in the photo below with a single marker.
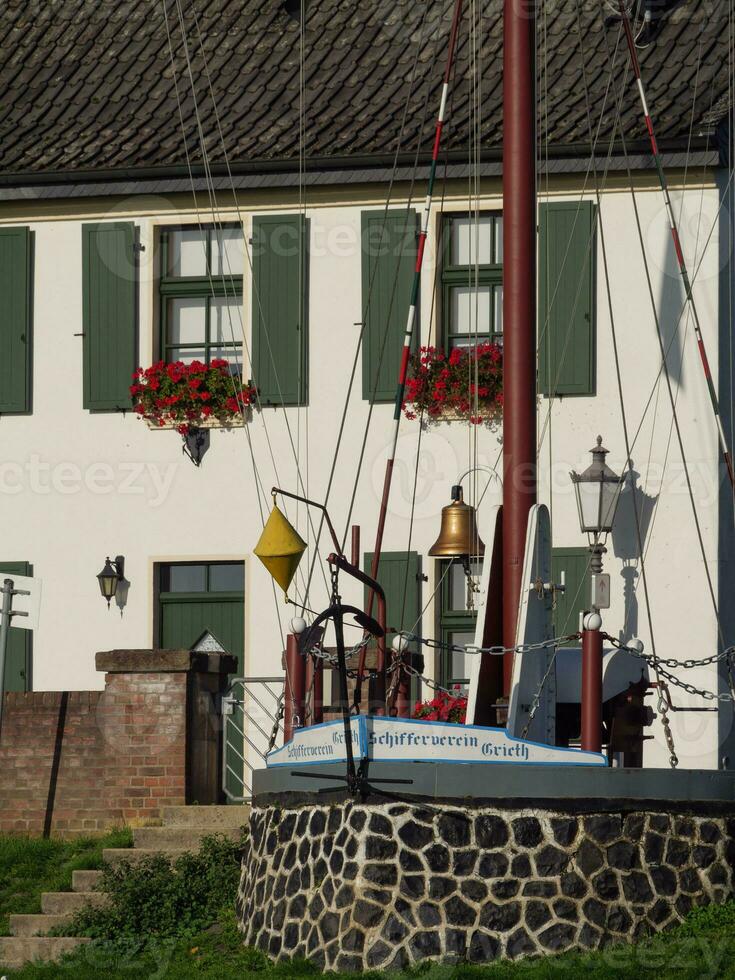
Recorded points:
(177, 838)
(85, 881)
(63, 903)
(36, 925)
(17, 950)
(117, 855)
(211, 818)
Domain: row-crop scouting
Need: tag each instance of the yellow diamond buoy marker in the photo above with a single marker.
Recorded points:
(280, 548)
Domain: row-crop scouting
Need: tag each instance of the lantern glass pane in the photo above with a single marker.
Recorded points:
(610, 494)
(588, 497)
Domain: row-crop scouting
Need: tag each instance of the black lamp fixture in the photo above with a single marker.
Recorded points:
(110, 577)
(598, 492)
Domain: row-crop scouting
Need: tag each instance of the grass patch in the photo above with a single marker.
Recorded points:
(702, 947)
(31, 865)
(177, 922)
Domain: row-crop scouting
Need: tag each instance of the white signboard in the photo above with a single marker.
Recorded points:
(30, 604)
(411, 740)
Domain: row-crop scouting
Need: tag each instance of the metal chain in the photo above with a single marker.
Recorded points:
(663, 710)
(497, 651)
(671, 662)
(279, 717)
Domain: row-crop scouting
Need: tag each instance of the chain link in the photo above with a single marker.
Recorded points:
(670, 661)
(280, 710)
(663, 710)
(497, 651)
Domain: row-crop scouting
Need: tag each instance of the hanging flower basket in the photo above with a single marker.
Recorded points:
(190, 396)
(442, 707)
(466, 384)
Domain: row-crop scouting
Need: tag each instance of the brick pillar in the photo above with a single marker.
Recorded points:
(160, 716)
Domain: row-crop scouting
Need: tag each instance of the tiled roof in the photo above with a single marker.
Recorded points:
(87, 85)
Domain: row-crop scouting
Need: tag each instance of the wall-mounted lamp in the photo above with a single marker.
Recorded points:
(110, 577)
(598, 492)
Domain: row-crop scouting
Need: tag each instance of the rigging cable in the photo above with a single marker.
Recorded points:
(665, 367)
(256, 294)
(683, 271)
(368, 299)
(400, 392)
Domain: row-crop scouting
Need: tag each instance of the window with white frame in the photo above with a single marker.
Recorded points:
(472, 279)
(201, 294)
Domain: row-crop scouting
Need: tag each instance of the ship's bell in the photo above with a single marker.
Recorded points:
(280, 548)
(458, 537)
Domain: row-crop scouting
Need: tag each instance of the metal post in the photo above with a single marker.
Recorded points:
(293, 714)
(315, 684)
(5, 618)
(519, 307)
(355, 551)
(343, 696)
(592, 683)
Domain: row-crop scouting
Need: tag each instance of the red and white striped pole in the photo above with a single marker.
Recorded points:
(411, 321)
(683, 271)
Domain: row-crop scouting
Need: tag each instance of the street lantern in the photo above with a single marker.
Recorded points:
(110, 577)
(598, 492)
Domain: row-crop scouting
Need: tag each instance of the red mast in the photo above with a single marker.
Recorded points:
(519, 305)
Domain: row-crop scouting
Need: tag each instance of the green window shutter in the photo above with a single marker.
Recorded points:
(389, 246)
(566, 265)
(18, 655)
(280, 309)
(399, 573)
(110, 314)
(574, 562)
(15, 320)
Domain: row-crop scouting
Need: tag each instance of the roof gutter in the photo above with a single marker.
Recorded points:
(579, 151)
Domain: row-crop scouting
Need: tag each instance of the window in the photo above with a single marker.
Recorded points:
(194, 577)
(15, 319)
(566, 320)
(456, 621)
(472, 280)
(201, 294)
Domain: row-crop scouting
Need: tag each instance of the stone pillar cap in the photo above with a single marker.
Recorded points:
(153, 661)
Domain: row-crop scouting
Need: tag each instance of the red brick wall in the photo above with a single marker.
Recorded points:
(84, 761)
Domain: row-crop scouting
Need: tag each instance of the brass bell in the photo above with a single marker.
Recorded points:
(458, 537)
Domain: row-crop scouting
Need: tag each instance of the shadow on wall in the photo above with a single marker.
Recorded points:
(629, 535)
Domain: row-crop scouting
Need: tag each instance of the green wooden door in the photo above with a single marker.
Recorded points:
(18, 654)
(199, 602)
(574, 562)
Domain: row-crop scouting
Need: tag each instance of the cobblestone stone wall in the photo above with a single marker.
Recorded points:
(356, 887)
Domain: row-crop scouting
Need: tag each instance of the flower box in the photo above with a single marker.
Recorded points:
(236, 422)
(466, 383)
(191, 396)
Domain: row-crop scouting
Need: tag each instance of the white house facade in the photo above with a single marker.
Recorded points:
(219, 273)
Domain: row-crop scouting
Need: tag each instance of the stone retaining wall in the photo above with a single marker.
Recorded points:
(371, 886)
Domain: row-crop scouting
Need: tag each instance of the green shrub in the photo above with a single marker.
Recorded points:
(31, 865)
(164, 899)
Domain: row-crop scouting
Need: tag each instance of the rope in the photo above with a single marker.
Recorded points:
(683, 270)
